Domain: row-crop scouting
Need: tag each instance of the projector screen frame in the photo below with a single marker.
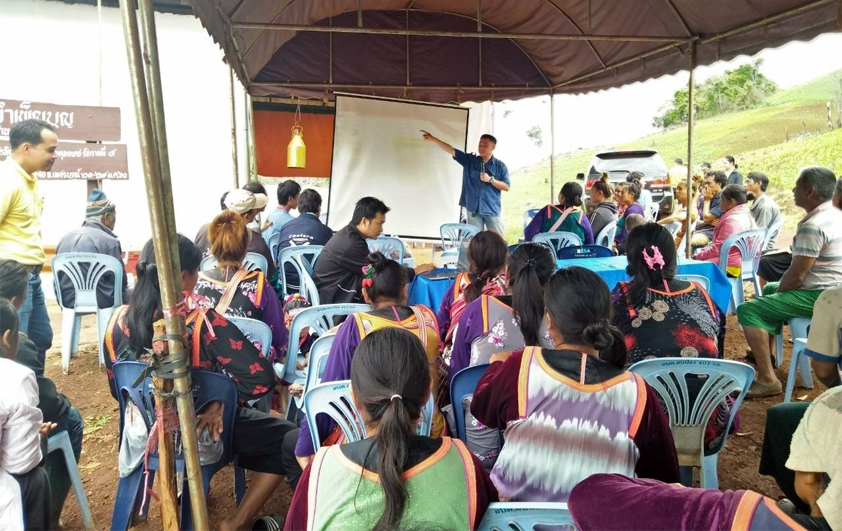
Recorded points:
(464, 148)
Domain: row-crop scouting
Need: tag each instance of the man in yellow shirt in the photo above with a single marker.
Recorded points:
(33, 145)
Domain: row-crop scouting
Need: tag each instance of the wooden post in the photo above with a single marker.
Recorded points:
(691, 90)
(166, 444)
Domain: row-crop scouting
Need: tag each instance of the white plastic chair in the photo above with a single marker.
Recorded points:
(302, 258)
(557, 240)
(392, 248)
(454, 234)
(652, 210)
(526, 516)
(772, 233)
(605, 237)
(703, 280)
(61, 442)
(85, 271)
(319, 351)
(750, 245)
(682, 248)
(688, 420)
(798, 327)
(334, 400)
(252, 261)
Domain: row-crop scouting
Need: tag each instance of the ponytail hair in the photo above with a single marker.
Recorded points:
(487, 254)
(571, 194)
(388, 278)
(603, 186)
(145, 305)
(634, 184)
(530, 267)
(580, 307)
(641, 239)
(229, 237)
(390, 380)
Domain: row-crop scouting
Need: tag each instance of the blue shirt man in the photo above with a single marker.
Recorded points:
(483, 178)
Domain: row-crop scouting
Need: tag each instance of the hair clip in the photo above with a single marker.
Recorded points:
(656, 258)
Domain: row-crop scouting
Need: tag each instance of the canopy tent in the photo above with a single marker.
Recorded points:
(458, 50)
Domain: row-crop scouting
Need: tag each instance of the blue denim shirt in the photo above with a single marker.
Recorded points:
(477, 196)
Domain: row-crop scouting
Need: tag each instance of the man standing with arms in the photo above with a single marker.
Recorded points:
(483, 178)
(33, 144)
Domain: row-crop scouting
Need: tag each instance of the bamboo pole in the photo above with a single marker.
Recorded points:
(691, 90)
(159, 200)
(234, 155)
(166, 443)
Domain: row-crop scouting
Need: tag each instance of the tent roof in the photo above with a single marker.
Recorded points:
(429, 50)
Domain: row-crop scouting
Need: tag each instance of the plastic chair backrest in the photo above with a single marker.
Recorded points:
(585, 251)
(773, 231)
(85, 271)
(390, 247)
(667, 376)
(528, 215)
(750, 244)
(453, 234)
(605, 237)
(526, 516)
(274, 242)
(685, 241)
(464, 383)
(558, 240)
(334, 400)
(302, 258)
(255, 331)
(652, 210)
(319, 351)
(251, 262)
(319, 319)
(425, 423)
(704, 281)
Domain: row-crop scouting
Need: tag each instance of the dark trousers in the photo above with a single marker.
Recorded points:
(293, 471)
(35, 497)
(55, 465)
(781, 422)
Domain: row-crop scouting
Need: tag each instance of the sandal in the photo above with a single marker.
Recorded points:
(760, 390)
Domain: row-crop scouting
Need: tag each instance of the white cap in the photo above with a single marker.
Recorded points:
(243, 201)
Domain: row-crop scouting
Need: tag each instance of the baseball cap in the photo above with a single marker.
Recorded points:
(243, 201)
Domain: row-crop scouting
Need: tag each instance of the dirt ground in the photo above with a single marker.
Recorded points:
(87, 387)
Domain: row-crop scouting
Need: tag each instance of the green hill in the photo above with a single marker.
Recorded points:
(766, 139)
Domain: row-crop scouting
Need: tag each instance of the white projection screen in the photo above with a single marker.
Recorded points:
(378, 150)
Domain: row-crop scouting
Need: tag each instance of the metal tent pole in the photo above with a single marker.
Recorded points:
(234, 157)
(552, 147)
(691, 89)
(159, 199)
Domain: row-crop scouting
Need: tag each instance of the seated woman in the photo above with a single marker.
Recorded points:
(392, 479)
(385, 289)
(627, 196)
(675, 223)
(603, 209)
(487, 254)
(572, 411)
(662, 317)
(237, 292)
(735, 218)
(213, 344)
(567, 216)
(608, 502)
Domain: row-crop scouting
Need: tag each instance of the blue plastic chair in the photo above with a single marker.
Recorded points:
(85, 271)
(464, 383)
(526, 516)
(393, 248)
(334, 400)
(274, 242)
(585, 251)
(319, 351)
(558, 240)
(425, 423)
(454, 234)
(319, 319)
(772, 232)
(605, 237)
(252, 261)
(528, 215)
(799, 327)
(302, 258)
(688, 418)
(750, 244)
(61, 442)
(207, 387)
(700, 279)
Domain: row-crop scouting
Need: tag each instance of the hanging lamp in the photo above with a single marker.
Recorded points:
(297, 150)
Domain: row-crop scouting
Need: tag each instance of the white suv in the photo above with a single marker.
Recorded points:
(619, 164)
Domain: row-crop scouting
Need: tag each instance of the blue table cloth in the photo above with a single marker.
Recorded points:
(613, 271)
(429, 288)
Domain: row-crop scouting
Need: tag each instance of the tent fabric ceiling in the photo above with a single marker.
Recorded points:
(283, 62)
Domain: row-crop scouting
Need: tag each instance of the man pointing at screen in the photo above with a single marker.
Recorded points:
(483, 178)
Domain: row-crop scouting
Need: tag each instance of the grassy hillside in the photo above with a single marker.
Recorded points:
(757, 138)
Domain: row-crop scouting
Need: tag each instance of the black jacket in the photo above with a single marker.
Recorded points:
(602, 215)
(306, 229)
(53, 405)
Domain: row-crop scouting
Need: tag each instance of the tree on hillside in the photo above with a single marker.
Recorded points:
(536, 135)
(740, 89)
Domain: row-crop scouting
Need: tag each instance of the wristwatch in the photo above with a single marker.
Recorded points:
(491, 181)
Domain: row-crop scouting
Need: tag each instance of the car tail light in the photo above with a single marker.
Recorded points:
(661, 182)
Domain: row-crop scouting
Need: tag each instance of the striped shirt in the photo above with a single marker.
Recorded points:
(819, 236)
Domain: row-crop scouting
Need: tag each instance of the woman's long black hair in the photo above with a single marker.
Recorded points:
(390, 379)
(389, 278)
(145, 305)
(530, 267)
(641, 239)
(487, 254)
(579, 305)
(570, 194)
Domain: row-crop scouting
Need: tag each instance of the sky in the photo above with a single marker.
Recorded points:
(619, 115)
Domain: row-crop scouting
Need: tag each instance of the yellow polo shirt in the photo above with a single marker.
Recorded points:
(20, 215)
